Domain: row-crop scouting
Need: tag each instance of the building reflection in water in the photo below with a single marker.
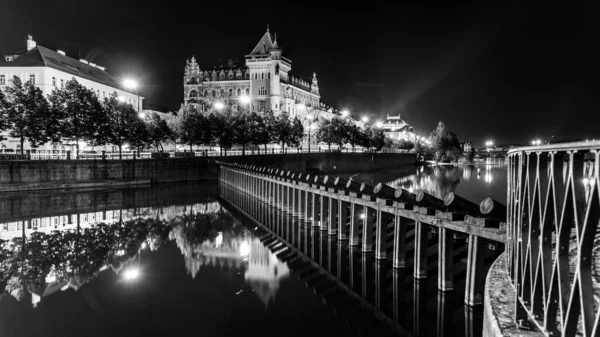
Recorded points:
(204, 232)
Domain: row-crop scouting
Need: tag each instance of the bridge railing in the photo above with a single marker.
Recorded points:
(347, 208)
(552, 242)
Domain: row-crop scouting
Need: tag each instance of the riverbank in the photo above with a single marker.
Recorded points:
(23, 175)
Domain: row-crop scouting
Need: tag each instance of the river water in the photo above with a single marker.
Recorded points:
(201, 258)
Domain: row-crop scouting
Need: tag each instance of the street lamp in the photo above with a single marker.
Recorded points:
(379, 124)
(245, 99)
(132, 84)
(345, 113)
(536, 142)
(364, 119)
(219, 106)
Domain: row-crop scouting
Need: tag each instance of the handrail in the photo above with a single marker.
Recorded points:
(553, 212)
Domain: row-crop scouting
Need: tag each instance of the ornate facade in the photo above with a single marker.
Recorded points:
(265, 80)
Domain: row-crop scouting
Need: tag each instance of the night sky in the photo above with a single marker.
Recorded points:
(505, 73)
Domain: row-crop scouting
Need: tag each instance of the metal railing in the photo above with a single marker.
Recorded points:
(552, 234)
(104, 155)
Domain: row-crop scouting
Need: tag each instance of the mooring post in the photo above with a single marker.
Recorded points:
(367, 237)
(421, 247)
(445, 260)
(354, 222)
(399, 260)
(332, 218)
(475, 276)
(381, 235)
(324, 205)
(342, 219)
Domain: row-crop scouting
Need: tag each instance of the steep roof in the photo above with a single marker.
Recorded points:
(43, 57)
(264, 45)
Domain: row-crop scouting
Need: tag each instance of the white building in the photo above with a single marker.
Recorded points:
(396, 128)
(49, 69)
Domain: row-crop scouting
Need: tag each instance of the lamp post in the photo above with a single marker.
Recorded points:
(246, 101)
(132, 84)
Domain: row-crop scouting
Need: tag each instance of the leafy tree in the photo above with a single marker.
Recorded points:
(354, 135)
(282, 129)
(28, 114)
(158, 131)
(139, 136)
(195, 130)
(260, 130)
(296, 133)
(376, 139)
(3, 114)
(79, 114)
(334, 131)
(222, 133)
(271, 126)
(444, 143)
(242, 132)
(122, 119)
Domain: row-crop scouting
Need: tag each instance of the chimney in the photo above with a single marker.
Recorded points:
(61, 52)
(30, 43)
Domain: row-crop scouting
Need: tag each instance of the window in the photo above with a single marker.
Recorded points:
(53, 81)
(32, 79)
(239, 92)
(262, 91)
(214, 93)
(268, 76)
(247, 92)
(193, 93)
(62, 83)
(2, 79)
(261, 105)
(262, 76)
(230, 92)
(222, 93)
(205, 93)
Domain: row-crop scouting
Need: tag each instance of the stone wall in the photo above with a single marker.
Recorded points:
(47, 174)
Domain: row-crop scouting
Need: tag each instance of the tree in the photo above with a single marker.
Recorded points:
(326, 133)
(122, 119)
(79, 114)
(242, 132)
(282, 129)
(221, 131)
(138, 137)
(444, 143)
(296, 133)
(3, 115)
(260, 133)
(271, 125)
(195, 130)
(158, 131)
(28, 114)
(376, 139)
(354, 135)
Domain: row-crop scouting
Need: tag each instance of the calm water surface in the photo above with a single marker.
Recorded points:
(166, 260)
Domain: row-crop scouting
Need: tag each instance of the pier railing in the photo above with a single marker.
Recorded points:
(367, 216)
(553, 221)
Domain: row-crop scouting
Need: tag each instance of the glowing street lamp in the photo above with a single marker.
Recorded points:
(141, 115)
(219, 106)
(345, 113)
(245, 99)
(121, 98)
(379, 124)
(131, 274)
(536, 142)
(364, 119)
(132, 84)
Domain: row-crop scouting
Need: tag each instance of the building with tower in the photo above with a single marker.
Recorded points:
(264, 82)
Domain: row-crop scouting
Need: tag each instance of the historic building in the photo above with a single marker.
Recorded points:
(263, 83)
(396, 128)
(48, 70)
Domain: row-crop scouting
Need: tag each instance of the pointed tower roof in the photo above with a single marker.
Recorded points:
(275, 45)
(264, 45)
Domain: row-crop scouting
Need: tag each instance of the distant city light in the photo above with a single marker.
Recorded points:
(379, 124)
(130, 84)
(245, 99)
(536, 142)
(245, 248)
(219, 106)
(142, 115)
(364, 119)
(362, 215)
(219, 239)
(345, 113)
(144, 245)
(489, 143)
(131, 274)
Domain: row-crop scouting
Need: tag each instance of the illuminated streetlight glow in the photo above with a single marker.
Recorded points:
(301, 106)
(536, 142)
(379, 124)
(244, 248)
(364, 119)
(310, 117)
(245, 99)
(219, 106)
(131, 274)
(130, 84)
(142, 115)
(363, 215)
(345, 113)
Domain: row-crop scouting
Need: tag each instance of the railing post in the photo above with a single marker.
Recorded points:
(445, 260)
(399, 260)
(381, 235)
(314, 210)
(332, 219)
(475, 277)
(421, 247)
(307, 206)
(354, 222)
(367, 240)
(342, 219)
(324, 205)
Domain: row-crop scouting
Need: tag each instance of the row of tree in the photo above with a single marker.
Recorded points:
(341, 131)
(74, 114)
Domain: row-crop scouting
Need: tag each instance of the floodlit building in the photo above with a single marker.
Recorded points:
(50, 69)
(396, 128)
(264, 82)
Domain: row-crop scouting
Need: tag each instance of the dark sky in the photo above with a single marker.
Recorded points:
(508, 73)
